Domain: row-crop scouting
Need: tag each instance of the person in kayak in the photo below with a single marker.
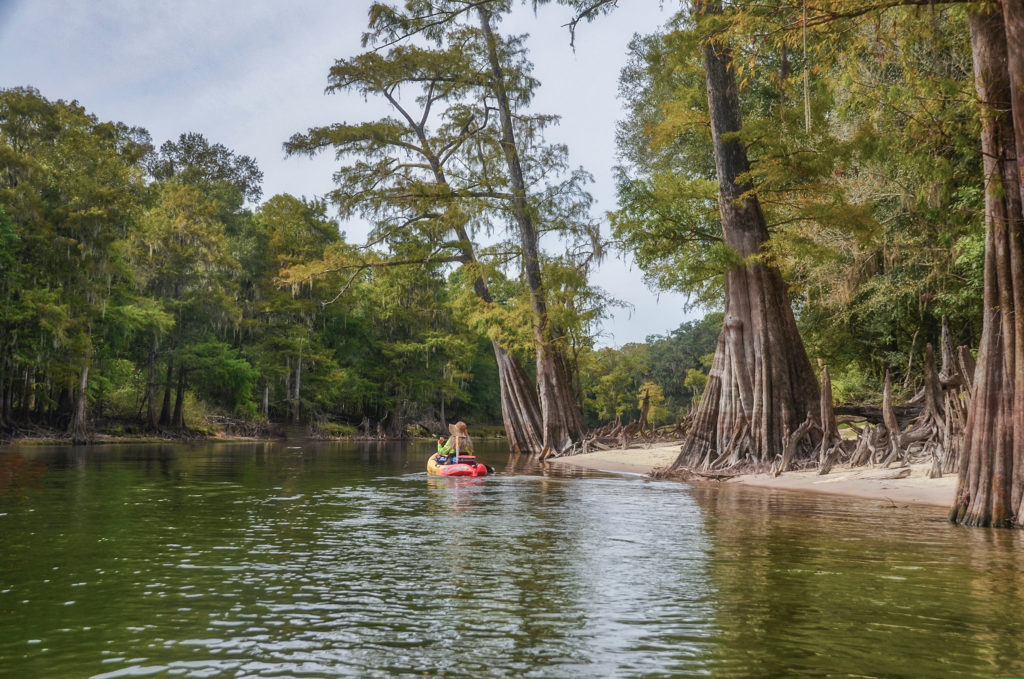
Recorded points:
(458, 443)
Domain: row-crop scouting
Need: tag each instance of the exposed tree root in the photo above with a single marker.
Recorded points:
(623, 436)
(890, 435)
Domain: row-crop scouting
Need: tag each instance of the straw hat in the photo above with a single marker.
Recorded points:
(460, 436)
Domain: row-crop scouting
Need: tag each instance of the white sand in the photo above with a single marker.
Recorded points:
(632, 460)
(862, 482)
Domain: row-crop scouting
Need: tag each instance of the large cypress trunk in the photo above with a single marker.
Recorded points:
(520, 412)
(761, 385)
(992, 474)
(561, 419)
(519, 409)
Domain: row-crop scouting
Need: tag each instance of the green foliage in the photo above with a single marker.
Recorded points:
(657, 414)
(227, 378)
(871, 183)
(114, 389)
(613, 378)
(150, 266)
(150, 269)
(854, 384)
(195, 161)
(673, 366)
(680, 360)
(695, 381)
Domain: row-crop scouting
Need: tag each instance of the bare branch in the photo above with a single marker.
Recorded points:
(586, 13)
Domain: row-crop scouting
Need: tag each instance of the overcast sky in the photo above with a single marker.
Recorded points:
(249, 75)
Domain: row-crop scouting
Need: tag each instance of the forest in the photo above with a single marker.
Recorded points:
(153, 282)
(837, 185)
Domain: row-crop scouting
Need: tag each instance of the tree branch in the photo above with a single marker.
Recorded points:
(587, 13)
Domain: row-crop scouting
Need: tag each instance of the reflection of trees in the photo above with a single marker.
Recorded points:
(994, 589)
(819, 586)
(540, 575)
(527, 465)
(18, 474)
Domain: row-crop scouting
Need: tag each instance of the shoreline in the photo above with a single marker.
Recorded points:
(863, 482)
(104, 439)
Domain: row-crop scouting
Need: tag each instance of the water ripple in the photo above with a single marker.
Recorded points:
(335, 562)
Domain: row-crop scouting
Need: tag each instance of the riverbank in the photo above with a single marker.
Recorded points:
(53, 437)
(866, 483)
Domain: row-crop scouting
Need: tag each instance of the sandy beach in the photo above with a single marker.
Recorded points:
(863, 482)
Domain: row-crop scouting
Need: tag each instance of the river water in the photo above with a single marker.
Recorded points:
(318, 560)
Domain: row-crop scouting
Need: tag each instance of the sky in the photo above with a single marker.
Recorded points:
(251, 78)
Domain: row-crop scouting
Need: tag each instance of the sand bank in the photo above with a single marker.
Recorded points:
(866, 483)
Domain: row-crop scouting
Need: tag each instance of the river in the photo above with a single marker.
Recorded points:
(323, 559)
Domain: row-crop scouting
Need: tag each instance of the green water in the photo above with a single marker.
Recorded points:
(259, 560)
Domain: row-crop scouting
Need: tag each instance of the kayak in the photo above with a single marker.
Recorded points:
(466, 466)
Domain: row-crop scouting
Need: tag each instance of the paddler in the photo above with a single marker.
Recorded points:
(448, 451)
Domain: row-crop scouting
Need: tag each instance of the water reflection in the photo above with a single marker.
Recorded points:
(20, 475)
(820, 586)
(327, 560)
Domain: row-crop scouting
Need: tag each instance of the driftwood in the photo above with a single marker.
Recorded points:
(904, 413)
(618, 435)
(882, 474)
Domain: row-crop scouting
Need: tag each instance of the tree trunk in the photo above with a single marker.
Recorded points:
(831, 441)
(266, 401)
(78, 428)
(520, 411)
(28, 394)
(64, 410)
(561, 419)
(992, 475)
(178, 421)
(761, 385)
(297, 400)
(645, 409)
(9, 400)
(165, 409)
(287, 381)
(151, 385)
(3, 384)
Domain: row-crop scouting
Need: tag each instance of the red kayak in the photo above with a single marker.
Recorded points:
(466, 466)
